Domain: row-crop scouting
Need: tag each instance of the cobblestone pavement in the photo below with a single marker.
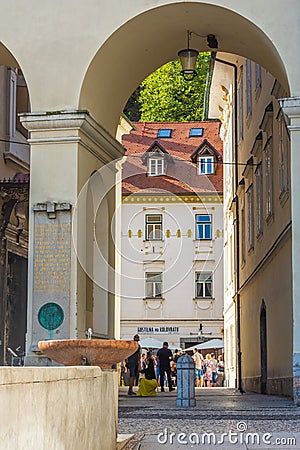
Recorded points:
(218, 410)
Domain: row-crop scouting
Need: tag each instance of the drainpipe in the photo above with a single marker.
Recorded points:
(237, 299)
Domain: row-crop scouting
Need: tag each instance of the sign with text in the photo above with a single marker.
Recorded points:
(158, 330)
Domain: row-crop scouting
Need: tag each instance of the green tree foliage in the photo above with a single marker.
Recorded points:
(165, 96)
(132, 108)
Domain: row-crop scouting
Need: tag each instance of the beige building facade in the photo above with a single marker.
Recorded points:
(258, 238)
(81, 63)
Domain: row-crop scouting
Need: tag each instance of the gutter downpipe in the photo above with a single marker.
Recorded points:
(236, 297)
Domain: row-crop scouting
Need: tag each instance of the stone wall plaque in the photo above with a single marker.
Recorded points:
(52, 260)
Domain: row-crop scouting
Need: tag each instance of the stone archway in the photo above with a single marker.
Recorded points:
(94, 62)
(152, 38)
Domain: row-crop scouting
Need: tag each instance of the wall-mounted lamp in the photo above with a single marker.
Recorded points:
(212, 41)
(188, 56)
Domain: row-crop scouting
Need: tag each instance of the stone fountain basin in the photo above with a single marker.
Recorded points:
(98, 352)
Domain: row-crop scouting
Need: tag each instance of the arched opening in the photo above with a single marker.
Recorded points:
(153, 38)
(116, 71)
(14, 195)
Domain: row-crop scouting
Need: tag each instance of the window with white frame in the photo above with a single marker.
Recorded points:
(248, 88)
(240, 109)
(154, 227)
(205, 165)
(203, 226)
(156, 166)
(283, 155)
(269, 179)
(153, 284)
(259, 200)
(250, 198)
(203, 285)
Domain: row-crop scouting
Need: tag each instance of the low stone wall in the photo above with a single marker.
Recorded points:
(58, 408)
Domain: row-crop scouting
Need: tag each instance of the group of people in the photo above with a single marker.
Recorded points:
(152, 371)
(208, 370)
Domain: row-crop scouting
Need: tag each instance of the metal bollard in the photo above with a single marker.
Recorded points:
(185, 381)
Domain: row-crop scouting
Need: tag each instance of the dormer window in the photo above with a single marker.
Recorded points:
(206, 157)
(205, 165)
(156, 166)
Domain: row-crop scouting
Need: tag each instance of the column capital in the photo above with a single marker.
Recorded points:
(72, 126)
(291, 108)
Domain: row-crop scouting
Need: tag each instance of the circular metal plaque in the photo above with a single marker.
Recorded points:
(51, 316)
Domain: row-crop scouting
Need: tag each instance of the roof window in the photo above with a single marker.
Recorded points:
(196, 132)
(164, 133)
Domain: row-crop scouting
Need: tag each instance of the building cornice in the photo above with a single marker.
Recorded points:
(50, 128)
(291, 109)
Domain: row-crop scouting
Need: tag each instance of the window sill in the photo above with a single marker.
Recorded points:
(201, 299)
(203, 240)
(259, 235)
(157, 241)
(153, 299)
(283, 196)
(251, 250)
(270, 219)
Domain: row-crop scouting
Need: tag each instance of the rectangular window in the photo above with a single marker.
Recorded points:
(240, 109)
(269, 179)
(250, 217)
(283, 155)
(196, 132)
(203, 286)
(243, 226)
(164, 133)
(154, 227)
(12, 102)
(257, 76)
(248, 88)
(153, 285)
(156, 166)
(259, 200)
(205, 165)
(203, 226)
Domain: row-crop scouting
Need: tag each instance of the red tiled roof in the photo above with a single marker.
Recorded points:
(181, 175)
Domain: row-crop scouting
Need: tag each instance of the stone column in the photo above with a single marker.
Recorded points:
(67, 147)
(291, 109)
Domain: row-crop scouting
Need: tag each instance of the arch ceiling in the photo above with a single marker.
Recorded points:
(153, 38)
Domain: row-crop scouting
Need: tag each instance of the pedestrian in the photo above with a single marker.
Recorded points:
(165, 356)
(207, 370)
(199, 362)
(133, 365)
(214, 370)
(148, 384)
(220, 380)
(176, 356)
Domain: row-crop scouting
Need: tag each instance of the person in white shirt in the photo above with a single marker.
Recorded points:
(199, 362)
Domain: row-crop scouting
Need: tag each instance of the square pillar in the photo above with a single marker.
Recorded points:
(70, 286)
(291, 109)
